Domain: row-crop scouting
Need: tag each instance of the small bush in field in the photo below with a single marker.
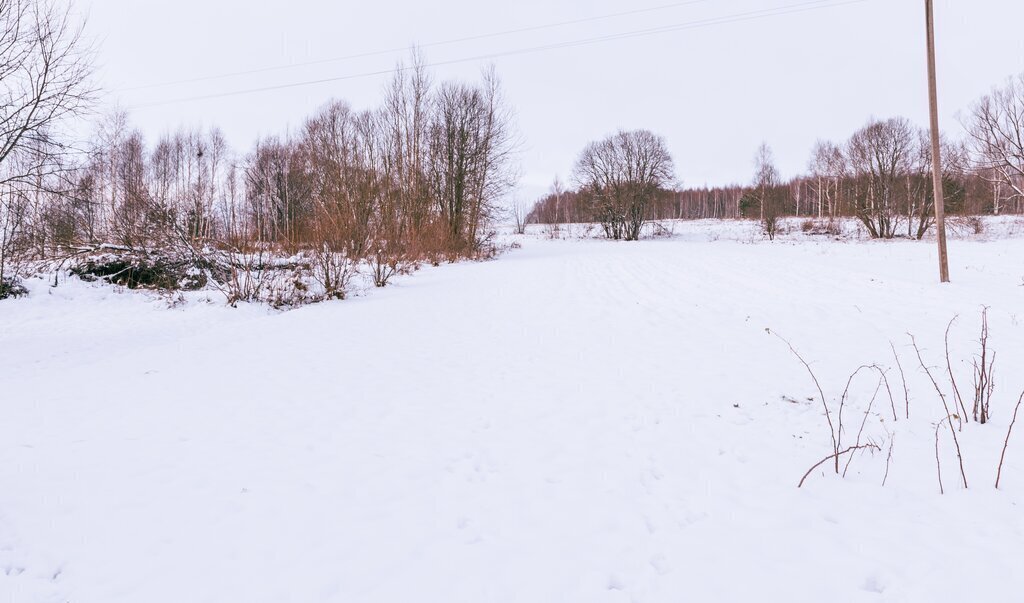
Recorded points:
(976, 224)
(828, 227)
(658, 230)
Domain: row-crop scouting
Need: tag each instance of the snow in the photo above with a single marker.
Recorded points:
(576, 421)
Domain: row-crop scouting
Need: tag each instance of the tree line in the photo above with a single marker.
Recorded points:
(880, 176)
(417, 178)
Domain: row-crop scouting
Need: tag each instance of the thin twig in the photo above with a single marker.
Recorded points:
(863, 422)
(888, 390)
(842, 403)
(949, 367)
(824, 402)
(956, 442)
(836, 456)
(983, 381)
(906, 392)
(1006, 442)
(888, 459)
(938, 463)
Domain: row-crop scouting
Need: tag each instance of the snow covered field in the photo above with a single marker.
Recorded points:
(577, 421)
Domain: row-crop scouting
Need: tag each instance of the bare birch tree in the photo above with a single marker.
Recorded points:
(996, 128)
(767, 190)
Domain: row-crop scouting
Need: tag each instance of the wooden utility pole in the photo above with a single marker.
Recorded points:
(933, 98)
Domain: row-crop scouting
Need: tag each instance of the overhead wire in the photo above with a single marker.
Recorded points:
(391, 51)
(790, 9)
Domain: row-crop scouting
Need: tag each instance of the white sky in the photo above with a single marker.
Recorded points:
(713, 92)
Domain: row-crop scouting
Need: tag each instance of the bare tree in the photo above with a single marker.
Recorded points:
(828, 168)
(880, 156)
(13, 211)
(277, 191)
(767, 191)
(996, 128)
(44, 79)
(469, 166)
(622, 175)
(519, 214)
(402, 125)
(919, 190)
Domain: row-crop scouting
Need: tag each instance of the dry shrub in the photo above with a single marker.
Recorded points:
(659, 230)
(386, 261)
(815, 227)
(834, 414)
(332, 270)
(966, 225)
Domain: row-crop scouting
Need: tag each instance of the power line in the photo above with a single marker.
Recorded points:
(724, 20)
(360, 55)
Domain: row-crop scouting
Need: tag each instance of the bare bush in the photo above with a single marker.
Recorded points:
(520, 213)
(252, 277)
(952, 421)
(983, 373)
(984, 378)
(967, 225)
(834, 418)
(387, 261)
(948, 419)
(333, 270)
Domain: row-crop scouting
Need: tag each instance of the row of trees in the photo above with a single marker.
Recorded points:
(881, 175)
(418, 178)
(422, 173)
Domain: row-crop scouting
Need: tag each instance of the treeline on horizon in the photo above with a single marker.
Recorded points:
(881, 176)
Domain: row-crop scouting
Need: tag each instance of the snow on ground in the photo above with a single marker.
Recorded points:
(577, 421)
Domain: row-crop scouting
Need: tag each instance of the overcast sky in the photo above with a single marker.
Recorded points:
(714, 91)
